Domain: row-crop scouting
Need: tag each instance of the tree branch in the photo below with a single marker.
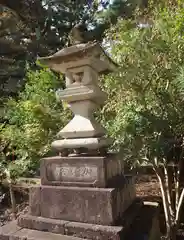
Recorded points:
(163, 192)
(179, 208)
(168, 191)
(179, 199)
(176, 186)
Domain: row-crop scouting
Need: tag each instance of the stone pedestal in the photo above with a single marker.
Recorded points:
(87, 193)
(103, 206)
(82, 189)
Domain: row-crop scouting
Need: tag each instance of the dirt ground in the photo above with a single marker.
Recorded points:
(147, 187)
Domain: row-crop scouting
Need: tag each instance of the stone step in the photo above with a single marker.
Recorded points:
(144, 226)
(76, 229)
(82, 230)
(12, 232)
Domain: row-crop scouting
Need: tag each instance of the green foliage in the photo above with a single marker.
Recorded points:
(30, 28)
(145, 111)
(97, 15)
(32, 122)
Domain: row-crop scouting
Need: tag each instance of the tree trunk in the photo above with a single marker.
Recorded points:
(171, 234)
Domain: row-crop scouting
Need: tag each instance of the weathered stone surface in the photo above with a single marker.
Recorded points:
(12, 232)
(41, 224)
(83, 230)
(78, 204)
(88, 143)
(38, 235)
(8, 230)
(80, 55)
(134, 229)
(91, 205)
(82, 93)
(124, 197)
(92, 231)
(34, 200)
(86, 92)
(82, 171)
(83, 125)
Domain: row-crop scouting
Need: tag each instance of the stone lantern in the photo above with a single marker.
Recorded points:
(82, 64)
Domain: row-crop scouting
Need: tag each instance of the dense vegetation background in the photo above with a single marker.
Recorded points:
(29, 28)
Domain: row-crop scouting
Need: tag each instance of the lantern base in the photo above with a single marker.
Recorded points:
(78, 143)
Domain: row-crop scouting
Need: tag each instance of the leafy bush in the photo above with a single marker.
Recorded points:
(31, 123)
(145, 109)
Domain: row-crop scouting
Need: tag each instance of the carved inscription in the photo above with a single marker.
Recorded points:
(66, 172)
